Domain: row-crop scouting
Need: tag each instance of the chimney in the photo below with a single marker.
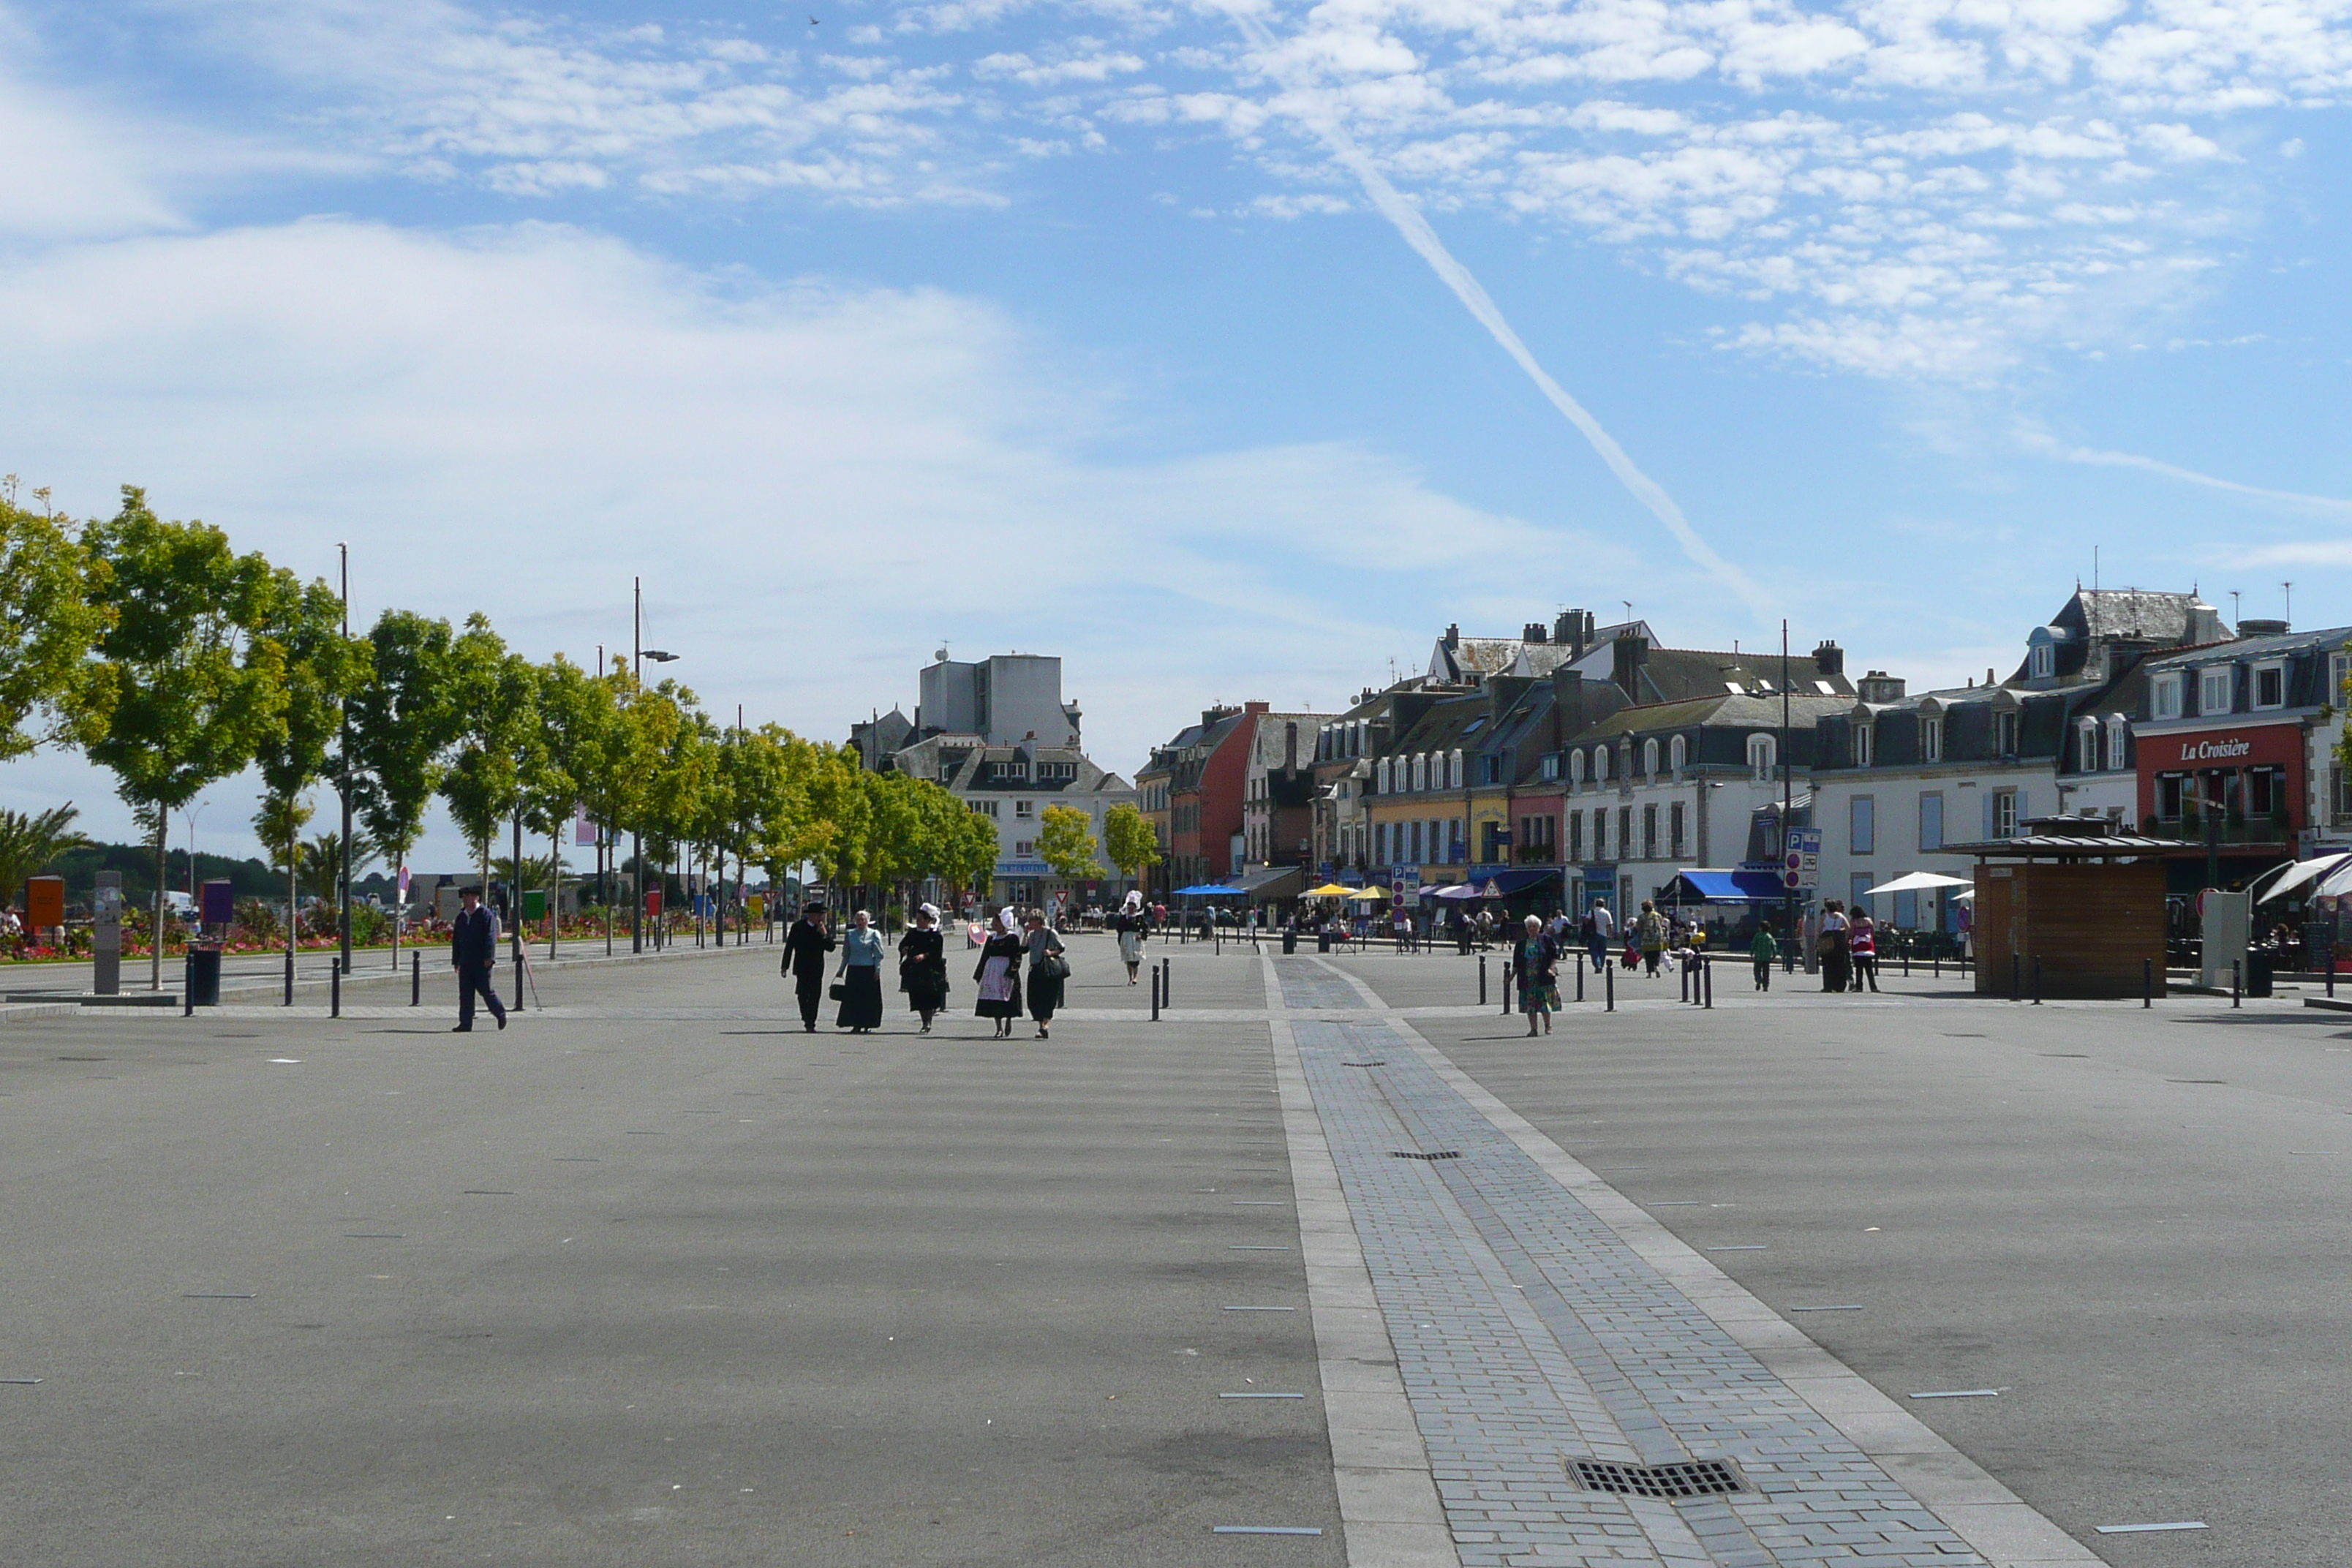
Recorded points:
(1533, 632)
(2251, 627)
(1452, 637)
(1880, 687)
(1989, 676)
(1830, 659)
(1632, 652)
(1256, 707)
(1568, 629)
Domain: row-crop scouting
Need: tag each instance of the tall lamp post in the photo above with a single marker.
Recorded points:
(638, 654)
(343, 871)
(1788, 787)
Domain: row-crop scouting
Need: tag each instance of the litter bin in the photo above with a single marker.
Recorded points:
(1323, 940)
(1289, 939)
(2260, 962)
(203, 976)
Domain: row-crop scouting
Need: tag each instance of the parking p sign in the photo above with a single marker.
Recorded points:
(1801, 865)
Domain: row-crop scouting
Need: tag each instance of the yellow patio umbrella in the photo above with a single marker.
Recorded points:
(1330, 891)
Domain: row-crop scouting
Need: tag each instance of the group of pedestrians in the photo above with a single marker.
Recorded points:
(1023, 967)
(1847, 948)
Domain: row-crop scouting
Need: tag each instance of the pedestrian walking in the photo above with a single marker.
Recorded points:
(805, 944)
(1130, 925)
(998, 973)
(1048, 969)
(1764, 949)
(474, 953)
(923, 964)
(1651, 930)
(860, 976)
(1862, 941)
(1536, 964)
(1601, 931)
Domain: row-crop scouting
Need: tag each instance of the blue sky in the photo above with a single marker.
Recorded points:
(1076, 327)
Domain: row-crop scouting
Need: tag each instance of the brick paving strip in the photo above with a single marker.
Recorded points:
(1485, 1320)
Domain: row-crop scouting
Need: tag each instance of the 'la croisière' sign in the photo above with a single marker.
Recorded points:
(2213, 750)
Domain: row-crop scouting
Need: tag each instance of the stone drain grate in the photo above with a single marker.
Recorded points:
(1697, 1477)
(1413, 1154)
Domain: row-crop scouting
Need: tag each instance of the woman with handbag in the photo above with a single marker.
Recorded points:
(1536, 966)
(860, 988)
(1129, 924)
(998, 973)
(1047, 970)
(923, 964)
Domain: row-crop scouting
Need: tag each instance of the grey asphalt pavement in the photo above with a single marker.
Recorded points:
(2132, 1223)
(643, 1289)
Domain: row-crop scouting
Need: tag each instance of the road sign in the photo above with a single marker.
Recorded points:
(1801, 865)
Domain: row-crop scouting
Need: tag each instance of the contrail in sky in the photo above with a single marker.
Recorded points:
(1467, 288)
(2048, 445)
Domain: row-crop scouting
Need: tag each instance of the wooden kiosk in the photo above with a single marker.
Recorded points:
(2076, 897)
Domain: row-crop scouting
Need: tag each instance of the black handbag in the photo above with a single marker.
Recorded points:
(839, 992)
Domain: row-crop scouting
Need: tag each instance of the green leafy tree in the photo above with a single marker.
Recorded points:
(403, 721)
(53, 610)
(1066, 842)
(495, 694)
(322, 862)
(30, 843)
(1129, 841)
(191, 692)
(323, 669)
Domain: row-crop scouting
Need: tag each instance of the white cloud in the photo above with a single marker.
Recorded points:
(819, 482)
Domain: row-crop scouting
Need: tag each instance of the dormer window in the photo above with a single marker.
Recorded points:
(2041, 661)
(1866, 735)
(1931, 739)
(2086, 748)
(2269, 684)
(2164, 695)
(2117, 735)
(1599, 764)
(2216, 690)
(1762, 757)
(1576, 766)
(1649, 759)
(1678, 754)
(2004, 736)
(1549, 767)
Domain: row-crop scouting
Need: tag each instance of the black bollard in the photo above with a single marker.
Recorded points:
(2016, 968)
(1707, 980)
(1580, 980)
(1167, 984)
(188, 983)
(1482, 978)
(1609, 982)
(517, 983)
(2236, 983)
(335, 990)
(416, 980)
(1685, 979)
(290, 979)
(2037, 982)
(1155, 994)
(1907, 961)
(1939, 965)
(2146, 982)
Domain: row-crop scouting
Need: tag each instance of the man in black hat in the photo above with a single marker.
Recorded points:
(474, 953)
(805, 945)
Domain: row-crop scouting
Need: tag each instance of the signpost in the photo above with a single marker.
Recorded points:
(1800, 864)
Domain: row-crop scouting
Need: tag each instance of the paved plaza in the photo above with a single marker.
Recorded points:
(1329, 1265)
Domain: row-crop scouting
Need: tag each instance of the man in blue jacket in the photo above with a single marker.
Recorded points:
(474, 953)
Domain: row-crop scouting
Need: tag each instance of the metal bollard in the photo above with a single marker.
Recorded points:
(415, 979)
(1907, 961)
(290, 979)
(1155, 994)
(1685, 979)
(1706, 979)
(188, 986)
(1609, 982)
(1167, 984)
(2016, 968)
(1482, 978)
(2236, 981)
(2146, 982)
(2037, 981)
(335, 990)
(1939, 965)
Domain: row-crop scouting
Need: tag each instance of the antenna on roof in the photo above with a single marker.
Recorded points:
(2288, 588)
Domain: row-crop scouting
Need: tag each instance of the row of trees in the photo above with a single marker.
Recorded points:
(174, 662)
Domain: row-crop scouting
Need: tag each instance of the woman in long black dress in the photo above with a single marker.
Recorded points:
(861, 976)
(923, 964)
(998, 973)
(1046, 966)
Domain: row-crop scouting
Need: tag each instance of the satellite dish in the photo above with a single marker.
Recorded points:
(941, 654)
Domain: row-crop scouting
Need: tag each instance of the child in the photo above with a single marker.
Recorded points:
(1764, 949)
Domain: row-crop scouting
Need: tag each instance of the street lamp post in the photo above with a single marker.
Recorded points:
(343, 871)
(638, 654)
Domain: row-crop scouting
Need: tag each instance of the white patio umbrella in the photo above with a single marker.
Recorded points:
(2333, 880)
(1919, 882)
(2324, 870)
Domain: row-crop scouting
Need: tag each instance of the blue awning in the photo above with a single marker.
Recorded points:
(1206, 890)
(1499, 885)
(1723, 888)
